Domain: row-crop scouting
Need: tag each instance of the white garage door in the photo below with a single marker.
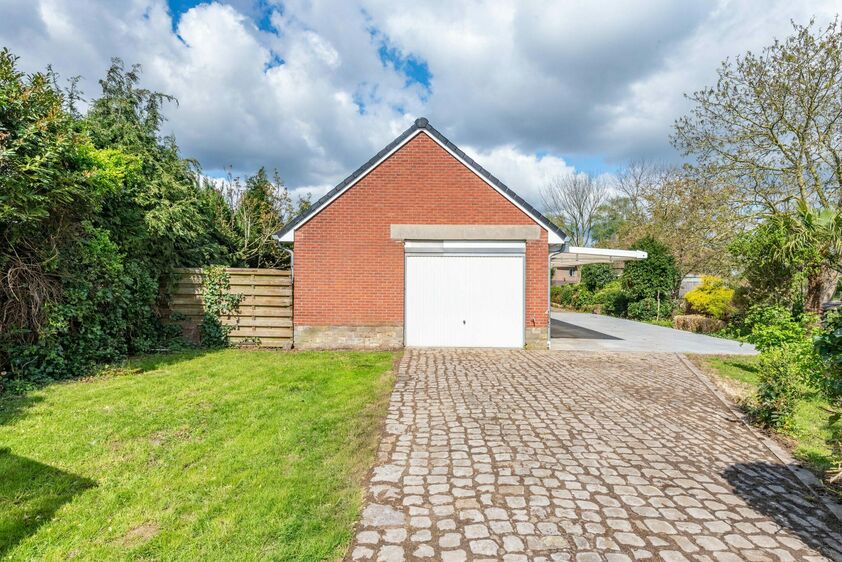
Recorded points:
(464, 294)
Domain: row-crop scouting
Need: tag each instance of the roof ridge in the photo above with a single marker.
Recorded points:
(422, 123)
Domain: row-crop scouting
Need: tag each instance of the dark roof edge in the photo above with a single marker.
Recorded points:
(422, 123)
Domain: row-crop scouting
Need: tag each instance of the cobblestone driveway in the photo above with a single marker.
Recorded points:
(519, 455)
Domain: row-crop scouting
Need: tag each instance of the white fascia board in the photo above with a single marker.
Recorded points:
(552, 237)
(610, 253)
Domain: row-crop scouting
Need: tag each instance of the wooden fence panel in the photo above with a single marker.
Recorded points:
(264, 317)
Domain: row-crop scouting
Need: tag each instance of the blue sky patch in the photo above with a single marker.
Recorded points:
(260, 12)
(415, 69)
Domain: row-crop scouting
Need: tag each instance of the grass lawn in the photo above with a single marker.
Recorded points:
(225, 455)
(810, 432)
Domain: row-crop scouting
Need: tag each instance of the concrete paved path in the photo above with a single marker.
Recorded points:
(519, 455)
(576, 331)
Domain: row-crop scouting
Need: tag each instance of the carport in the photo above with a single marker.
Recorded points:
(573, 331)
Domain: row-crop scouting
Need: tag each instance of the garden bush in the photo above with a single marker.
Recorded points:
(571, 296)
(655, 276)
(711, 298)
(96, 210)
(828, 345)
(595, 276)
(612, 299)
(644, 309)
(774, 403)
(772, 326)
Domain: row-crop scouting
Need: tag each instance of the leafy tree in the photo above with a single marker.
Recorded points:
(611, 220)
(264, 207)
(770, 129)
(693, 218)
(814, 237)
(48, 185)
(656, 277)
(95, 211)
(770, 277)
(163, 206)
(595, 276)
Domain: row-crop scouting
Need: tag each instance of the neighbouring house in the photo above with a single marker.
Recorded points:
(423, 247)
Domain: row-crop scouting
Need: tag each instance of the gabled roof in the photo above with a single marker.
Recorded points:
(421, 125)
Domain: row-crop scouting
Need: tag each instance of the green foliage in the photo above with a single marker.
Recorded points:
(263, 209)
(573, 296)
(712, 298)
(774, 402)
(644, 309)
(44, 158)
(655, 276)
(828, 344)
(595, 276)
(95, 212)
(611, 218)
(217, 301)
(770, 278)
(773, 326)
(613, 299)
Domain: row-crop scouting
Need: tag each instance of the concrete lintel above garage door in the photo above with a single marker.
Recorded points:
(465, 232)
(475, 247)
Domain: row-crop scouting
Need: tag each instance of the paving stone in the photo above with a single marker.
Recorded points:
(368, 537)
(362, 553)
(390, 553)
(521, 455)
(485, 546)
(453, 556)
(512, 543)
(424, 551)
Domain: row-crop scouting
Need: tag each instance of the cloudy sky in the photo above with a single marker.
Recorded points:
(531, 89)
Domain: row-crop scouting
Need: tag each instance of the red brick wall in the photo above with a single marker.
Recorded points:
(349, 272)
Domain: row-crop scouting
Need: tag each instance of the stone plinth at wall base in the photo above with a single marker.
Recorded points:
(348, 337)
(536, 338)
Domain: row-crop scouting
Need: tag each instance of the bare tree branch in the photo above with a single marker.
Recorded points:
(572, 201)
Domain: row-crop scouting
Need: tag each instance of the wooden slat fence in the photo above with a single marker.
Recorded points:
(265, 314)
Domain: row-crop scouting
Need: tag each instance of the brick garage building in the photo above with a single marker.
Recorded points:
(421, 247)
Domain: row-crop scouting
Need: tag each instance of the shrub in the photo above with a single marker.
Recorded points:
(562, 295)
(828, 346)
(774, 402)
(697, 323)
(645, 309)
(612, 299)
(582, 297)
(650, 309)
(595, 276)
(711, 298)
(772, 326)
(571, 296)
(655, 276)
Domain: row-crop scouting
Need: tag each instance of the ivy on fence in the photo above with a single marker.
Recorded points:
(217, 301)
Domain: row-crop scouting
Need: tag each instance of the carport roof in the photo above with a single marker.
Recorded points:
(574, 256)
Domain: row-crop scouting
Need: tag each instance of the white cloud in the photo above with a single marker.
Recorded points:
(510, 78)
(526, 174)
